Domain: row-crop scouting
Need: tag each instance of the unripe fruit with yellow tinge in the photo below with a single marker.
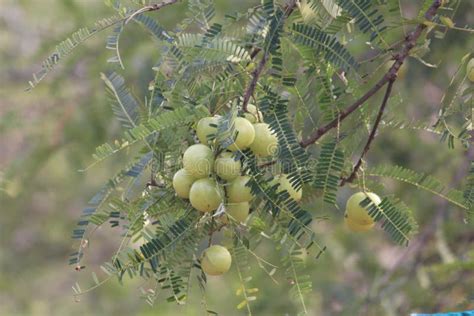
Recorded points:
(198, 160)
(237, 191)
(245, 134)
(356, 227)
(253, 115)
(284, 184)
(357, 213)
(227, 167)
(265, 143)
(205, 196)
(204, 128)
(216, 260)
(470, 70)
(182, 182)
(238, 211)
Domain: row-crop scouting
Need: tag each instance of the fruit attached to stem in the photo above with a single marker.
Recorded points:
(182, 181)
(253, 115)
(237, 191)
(216, 260)
(245, 134)
(198, 160)
(265, 143)
(226, 167)
(238, 211)
(205, 128)
(284, 184)
(358, 214)
(205, 195)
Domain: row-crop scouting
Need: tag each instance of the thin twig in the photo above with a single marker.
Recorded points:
(151, 7)
(372, 134)
(409, 43)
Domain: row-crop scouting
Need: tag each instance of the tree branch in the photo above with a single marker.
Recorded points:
(261, 65)
(409, 43)
(372, 134)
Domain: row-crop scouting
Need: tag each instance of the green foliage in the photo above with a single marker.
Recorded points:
(307, 73)
(419, 180)
(397, 220)
(321, 42)
(328, 171)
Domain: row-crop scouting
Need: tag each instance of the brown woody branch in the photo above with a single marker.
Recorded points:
(409, 43)
(372, 134)
(261, 65)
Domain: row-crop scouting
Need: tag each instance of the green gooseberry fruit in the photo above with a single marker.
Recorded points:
(226, 167)
(182, 182)
(265, 143)
(205, 195)
(245, 134)
(237, 191)
(198, 160)
(216, 260)
(357, 213)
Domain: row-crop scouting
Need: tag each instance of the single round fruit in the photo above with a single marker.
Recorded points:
(357, 213)
(265, 143)
(216, 260)
(237, 191)
(284, 184)
(245, 134)
(182, 181)
(238, 211)
(204, 129)
(226, 166)
(470, 70)
(253, 115)
(205, 195)
(198, 160)
(355, 226)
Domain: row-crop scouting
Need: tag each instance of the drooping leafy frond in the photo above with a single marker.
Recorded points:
(328, 171)
(160, 122)
(67, 46)
(366, 15)
(300, 281)
(420, 180)
(132, 171)
(397, 220)
(325, 44)
(247, 293)
(124, 104)
(113, 44)
(293, 158)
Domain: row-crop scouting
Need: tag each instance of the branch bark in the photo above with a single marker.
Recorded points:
(409, 43)
(372, 134)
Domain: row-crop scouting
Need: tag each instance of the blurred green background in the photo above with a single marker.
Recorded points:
(47, 135)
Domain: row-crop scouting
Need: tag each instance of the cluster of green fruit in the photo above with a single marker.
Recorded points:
(212, 177)
(357, 218)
